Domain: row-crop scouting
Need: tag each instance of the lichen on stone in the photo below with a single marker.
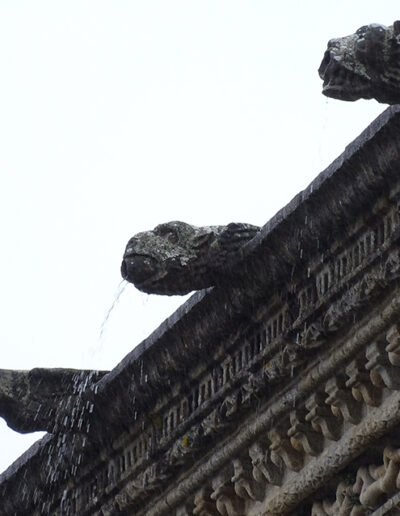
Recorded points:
(176, 257)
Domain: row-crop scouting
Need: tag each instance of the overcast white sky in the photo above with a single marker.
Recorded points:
(118, 115)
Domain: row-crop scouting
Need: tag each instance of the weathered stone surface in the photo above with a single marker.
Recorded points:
(176, 257)
(373, 483)
(40, 399)
(259, 396)
(364, 65)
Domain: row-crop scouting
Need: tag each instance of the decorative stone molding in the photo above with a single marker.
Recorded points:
(373, 484)
(255, 396)
(227, 502)
(203, 505)
(303, 437)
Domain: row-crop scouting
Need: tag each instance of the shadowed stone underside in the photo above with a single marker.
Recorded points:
(41, 399)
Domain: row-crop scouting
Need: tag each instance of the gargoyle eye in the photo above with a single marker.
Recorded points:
(167, 232)
(361, 44)
(362, 30)
(173, 237)
(162, 229)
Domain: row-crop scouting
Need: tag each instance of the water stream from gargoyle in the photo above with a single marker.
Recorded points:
(120, 289)
(73, 429)
(68, 444)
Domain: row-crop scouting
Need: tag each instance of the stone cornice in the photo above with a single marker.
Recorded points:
(286, 242)
(377, 422)
(193, 385)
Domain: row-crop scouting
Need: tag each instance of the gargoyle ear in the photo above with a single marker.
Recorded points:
(203, 238)
(396, 27)
(237, 234)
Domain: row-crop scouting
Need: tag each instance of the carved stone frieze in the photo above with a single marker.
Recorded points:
(184, 510)
(313, 336)
(322, 418)
(188, 445)
(264, 469)
(253, 390)
(203, 505)
(226, 499)
(302, 435)
(361, 385)
(382, 372)
(245, 485)
(215, 423)
(342, 402)
(373, 485)
(282, 451)
(350, 445)
(343, 504)
(393, 347)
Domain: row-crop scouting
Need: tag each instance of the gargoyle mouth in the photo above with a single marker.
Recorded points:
(340, 82)
(137, 268)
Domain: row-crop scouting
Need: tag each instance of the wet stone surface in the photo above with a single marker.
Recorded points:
(43, 399)
(255, 394)
(177, 258)
(365, 65)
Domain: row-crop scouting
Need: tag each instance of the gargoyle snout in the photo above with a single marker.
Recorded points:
(333, 43)
(124, 269)
(325, 63)
(137, 268)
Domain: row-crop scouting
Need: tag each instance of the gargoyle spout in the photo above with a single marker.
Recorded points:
(365, 65)
(39, 399)
(176, 257)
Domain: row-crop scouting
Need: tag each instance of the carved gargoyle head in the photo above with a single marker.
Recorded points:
(365, 64)
(176, 257)
(45, 399)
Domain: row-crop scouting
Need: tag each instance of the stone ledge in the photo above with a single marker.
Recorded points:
(282, 250)
(208, 315)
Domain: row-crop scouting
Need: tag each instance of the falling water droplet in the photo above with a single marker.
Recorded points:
(121, 287)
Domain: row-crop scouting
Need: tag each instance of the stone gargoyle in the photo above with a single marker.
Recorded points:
(44, 399)
(176, 257)
(365, 65)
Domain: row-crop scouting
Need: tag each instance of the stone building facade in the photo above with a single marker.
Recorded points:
(277, 393)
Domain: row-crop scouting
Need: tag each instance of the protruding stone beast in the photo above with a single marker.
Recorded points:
(364, 65)
(176, 257)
